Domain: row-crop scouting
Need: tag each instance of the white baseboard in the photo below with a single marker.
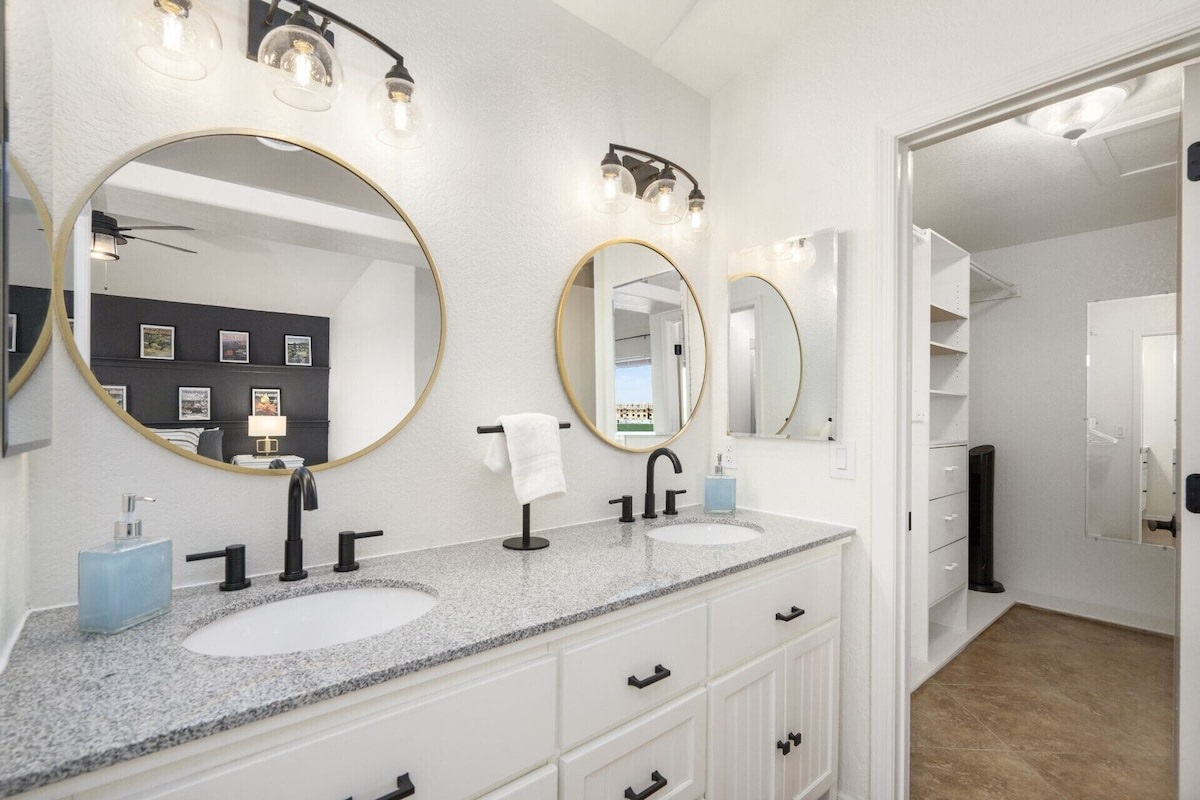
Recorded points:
(1100, 613)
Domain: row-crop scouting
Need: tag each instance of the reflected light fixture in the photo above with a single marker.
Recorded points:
(305, 73)
(264, 428)
(175, 37)
(797, 250)
(621, 179)
(1071, 118)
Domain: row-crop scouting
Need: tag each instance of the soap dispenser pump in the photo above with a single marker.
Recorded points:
(720, 491)
(127, 580)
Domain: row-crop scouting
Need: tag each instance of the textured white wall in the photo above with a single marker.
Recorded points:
(502, 207)
(1028, 354)
(794, 150)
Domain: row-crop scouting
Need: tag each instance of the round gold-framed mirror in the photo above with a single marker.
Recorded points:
(29, 326)
(766, 357)
(632, 345)
(249, 301)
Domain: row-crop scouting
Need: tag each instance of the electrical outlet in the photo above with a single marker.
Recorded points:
(728, 452)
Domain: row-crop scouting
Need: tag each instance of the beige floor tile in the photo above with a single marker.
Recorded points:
(990, 664)
(938, 720)
(1078, 777)
(1146, 714)
(942, 774)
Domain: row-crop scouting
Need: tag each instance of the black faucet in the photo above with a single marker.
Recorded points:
(302, 496)
(648, 513)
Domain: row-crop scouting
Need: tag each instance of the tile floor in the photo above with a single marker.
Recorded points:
(1044, 705)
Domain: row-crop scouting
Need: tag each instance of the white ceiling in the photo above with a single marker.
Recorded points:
(702, 43)
(1009, 184)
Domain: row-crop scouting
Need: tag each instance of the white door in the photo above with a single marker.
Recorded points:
(1187, 641)
(745, 709)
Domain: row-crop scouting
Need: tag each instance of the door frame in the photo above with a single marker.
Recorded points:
(1163, 42)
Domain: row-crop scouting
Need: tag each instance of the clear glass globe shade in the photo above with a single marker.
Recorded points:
(175, 37)
(613, 189)
(696, 224)
(398, 121)
(804, 255)
(664, 206)
(304, 71)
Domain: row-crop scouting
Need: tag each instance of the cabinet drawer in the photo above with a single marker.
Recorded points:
(947, 520)
(596, 692)
(540, 785)
(666, 745)
(947, 471)
(743, 624)
(947, 570)
(446, 743)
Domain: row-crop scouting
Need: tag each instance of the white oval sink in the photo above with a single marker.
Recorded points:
(703, 533)
(310, 621)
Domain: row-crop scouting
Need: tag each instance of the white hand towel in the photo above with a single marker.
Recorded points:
(530, 445)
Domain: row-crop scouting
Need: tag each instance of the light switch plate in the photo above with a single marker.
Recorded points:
(841, 459)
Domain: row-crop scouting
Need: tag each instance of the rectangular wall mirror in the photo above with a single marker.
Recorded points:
(783, 338)
(1131, 464)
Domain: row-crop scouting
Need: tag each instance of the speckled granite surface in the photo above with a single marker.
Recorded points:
(72, 702)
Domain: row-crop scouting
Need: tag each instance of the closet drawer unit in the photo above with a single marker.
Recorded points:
(947, 570)
(666, 657)
(947, 520)
(448, 744)
(750, 621)
(947, 471)
(665, 748)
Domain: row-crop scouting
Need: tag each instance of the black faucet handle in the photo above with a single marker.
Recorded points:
(346, 540)
(626, 501)
(235, 566)
(671, 495)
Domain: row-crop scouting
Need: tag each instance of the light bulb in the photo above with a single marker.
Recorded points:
(663, 205)
(780, 251)
(304, 70)
(697, 219)
(398, 122)
(175, 37)
(804, 255)
(104, 247)
(614, 187)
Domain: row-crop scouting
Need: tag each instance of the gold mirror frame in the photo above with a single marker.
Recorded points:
(43, 341)
(799, 345)
(60, 302)
(562, 367)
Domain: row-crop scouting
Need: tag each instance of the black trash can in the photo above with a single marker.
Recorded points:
(982, 505)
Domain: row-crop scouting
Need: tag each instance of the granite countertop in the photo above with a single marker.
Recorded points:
(72, 702)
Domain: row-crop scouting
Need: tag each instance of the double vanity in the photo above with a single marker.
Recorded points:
(625, 660)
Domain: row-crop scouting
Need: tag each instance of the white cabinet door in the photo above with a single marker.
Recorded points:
(745, 712)
(664, 748)
(810, 769)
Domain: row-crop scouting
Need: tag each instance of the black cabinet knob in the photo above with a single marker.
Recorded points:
(659, 783)
(785, 747)
(626, 501)
(235, 566)
(660, 672)
(671, 495)
(796, 612)
(346, 540)
(795, 738)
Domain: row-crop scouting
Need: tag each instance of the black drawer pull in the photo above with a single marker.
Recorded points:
(404, 788)
(796, 612)
(660, 672)
(659, 783)
(786, 747)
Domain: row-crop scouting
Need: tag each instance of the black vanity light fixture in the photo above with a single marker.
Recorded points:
(175, 37)
(305, 73)
(620, 179)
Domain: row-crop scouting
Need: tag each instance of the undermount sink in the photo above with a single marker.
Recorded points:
(310, 621)
(704, 533)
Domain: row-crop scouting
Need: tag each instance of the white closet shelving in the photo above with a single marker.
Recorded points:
(940, 384)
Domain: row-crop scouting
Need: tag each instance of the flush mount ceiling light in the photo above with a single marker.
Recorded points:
(175, 37)
(619, 180)
(797, 250)
(1071, 118)
(305, 72)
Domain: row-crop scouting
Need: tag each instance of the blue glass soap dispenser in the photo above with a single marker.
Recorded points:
(720, 491)
(127, 580)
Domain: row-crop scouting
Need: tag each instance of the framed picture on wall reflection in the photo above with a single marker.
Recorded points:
(297, 351)
(264, 403)
(195, 403)
(118, 394)
(235, 347)
(10, 333)
(158, 341)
